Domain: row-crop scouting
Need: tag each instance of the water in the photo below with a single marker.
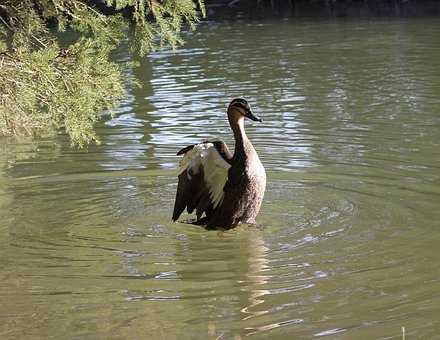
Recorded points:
(347, 243)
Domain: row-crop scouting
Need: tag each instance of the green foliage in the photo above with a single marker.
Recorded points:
(44, 87)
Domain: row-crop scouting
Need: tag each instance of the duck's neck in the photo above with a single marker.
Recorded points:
(242, 143)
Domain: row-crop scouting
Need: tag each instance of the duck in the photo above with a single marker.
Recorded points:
(224, 189)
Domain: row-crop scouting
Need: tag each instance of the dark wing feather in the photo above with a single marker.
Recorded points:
(187, 194)
(185, 149)
(223, 150)
(193, 192)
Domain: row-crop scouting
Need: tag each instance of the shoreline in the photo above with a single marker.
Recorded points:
(251, 9)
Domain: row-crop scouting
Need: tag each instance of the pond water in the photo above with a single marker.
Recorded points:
(347, 245)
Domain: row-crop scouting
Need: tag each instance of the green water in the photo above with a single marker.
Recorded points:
(348, 240)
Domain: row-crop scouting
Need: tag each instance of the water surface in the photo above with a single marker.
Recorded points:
(347, 243)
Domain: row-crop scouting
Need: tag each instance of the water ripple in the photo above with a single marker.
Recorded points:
(346, 243)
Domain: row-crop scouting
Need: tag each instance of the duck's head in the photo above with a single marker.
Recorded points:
(239, 109)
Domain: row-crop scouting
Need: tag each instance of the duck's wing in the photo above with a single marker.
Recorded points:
(221, 147)
(223, 150)
(202, 177)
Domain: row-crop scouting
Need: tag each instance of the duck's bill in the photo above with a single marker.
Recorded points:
(251, 116)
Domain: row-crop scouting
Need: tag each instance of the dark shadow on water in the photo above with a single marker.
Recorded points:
(202, 223)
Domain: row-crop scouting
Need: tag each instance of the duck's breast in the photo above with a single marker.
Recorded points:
(255, 188)
(256, 176)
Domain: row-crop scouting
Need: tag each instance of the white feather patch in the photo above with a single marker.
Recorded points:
(215, 169)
